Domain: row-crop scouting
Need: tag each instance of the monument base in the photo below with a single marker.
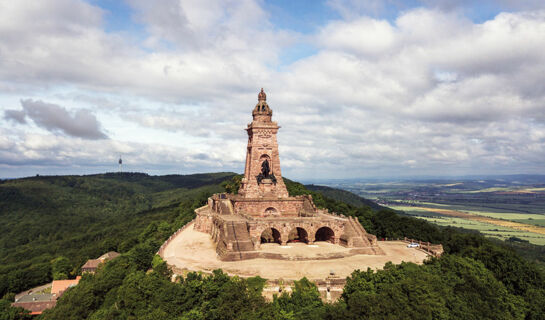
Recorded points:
(239, 226)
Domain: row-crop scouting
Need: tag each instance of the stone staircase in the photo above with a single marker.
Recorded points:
(354, 234)
(359, 237)
(235, 242)
(226, 207)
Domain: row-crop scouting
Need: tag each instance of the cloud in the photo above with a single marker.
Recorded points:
(350, 9)
(188, 53)
(364, 36)
(421, 91)
(502, 4)
(354, 8)
(81, 124)
(15, 115)
(31, 153)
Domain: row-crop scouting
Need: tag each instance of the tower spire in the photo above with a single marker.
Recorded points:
(262, 175)
(262, 96)
(262, 112)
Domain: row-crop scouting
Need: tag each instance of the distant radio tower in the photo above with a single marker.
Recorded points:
(120, 164)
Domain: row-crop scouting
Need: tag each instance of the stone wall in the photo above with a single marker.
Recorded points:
(239, 237)
(269, 207)
(165, 244)
(262, 207)
(435, 250)
(330, 288)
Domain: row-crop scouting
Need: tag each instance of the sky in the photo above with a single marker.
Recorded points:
(361, 89)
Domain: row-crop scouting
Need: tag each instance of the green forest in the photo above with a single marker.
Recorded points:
(52, 225)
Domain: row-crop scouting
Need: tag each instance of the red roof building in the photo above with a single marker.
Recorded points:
(59, 286)
(91, 265)
(35, 307)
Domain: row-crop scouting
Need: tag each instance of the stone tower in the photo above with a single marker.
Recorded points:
(263, 211)
(262, 175)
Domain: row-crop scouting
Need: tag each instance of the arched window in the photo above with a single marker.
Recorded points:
(270, 211)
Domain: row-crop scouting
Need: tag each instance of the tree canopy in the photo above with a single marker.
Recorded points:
(476, 278)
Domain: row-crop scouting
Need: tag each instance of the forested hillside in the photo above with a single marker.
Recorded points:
(81, 217)
(475, 279)
(344, 196)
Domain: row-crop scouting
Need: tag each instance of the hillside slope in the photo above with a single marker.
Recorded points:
(344, 196)
(47, 218)
(82, 217)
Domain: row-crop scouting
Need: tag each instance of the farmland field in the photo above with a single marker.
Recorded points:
(500, 232)
(506, 207)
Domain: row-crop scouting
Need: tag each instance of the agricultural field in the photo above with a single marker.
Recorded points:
(505, 207)
(488, 229)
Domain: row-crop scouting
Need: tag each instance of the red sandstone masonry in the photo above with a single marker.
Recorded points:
(262, 144)
(237, 222)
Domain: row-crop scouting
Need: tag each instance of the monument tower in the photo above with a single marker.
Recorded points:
(262, 175)
(263, 210)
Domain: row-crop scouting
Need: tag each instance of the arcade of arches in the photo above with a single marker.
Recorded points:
(264, 212)
(297, 234)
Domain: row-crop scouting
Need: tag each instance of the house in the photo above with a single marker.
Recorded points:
(91, 265)
(37, 302)
(58, 287)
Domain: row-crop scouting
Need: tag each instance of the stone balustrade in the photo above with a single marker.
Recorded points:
(164, 245)
(435, 250)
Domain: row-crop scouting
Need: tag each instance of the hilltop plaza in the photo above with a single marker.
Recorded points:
(264, 231)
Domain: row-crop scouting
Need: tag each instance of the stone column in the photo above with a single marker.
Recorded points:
(284, 237)
(312, 238)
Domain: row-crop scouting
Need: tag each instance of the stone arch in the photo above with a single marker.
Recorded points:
(271, 235)
(298, 234)
(325, 234)
(264, 157)
(270, 211)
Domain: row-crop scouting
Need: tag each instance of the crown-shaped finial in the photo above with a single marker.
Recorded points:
(262, 96)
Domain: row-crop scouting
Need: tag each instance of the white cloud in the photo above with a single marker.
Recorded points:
(428, 92)
(364, 36)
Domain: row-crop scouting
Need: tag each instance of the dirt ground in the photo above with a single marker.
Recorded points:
(195, 251)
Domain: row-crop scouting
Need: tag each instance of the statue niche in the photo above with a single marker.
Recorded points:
(265, 173)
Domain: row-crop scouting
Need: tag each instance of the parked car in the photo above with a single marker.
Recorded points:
(413, 245)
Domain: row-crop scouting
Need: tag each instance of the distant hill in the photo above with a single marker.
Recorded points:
(82, 217)
(344, 196)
